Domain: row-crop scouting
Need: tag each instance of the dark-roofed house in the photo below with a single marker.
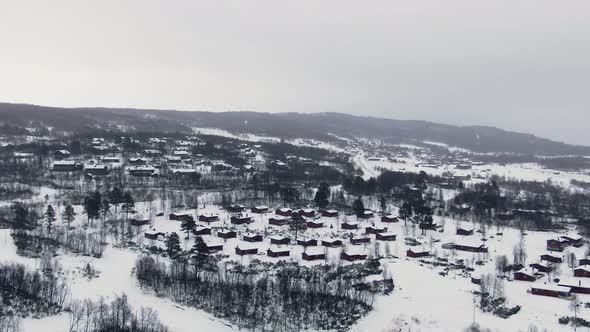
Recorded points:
(573, 240)
(61, 154)
(556, 245)
(331, 242)
(471, 246)
(243, 250)
(550, 290)
(579, 286)
(349, 225)
(465, 229)
(329, 213)
(214, 247)
(360, 240)
(315, 224)
(541, 266)
(226, 234)
(260, 209)
(202, 231)
(235, 208)
(96, 169)
(307, 242)
(582, 271)
(385, 236)
(353, 254)
(375, 229)
(278, 252)
(252, 237)
(208, 219)
(389, 218)
(278, 220)
(310, 213)
(285, 212)
(584, 261)
(314, 254)
(277, 239)
(551, 258)
(417, 253)
(180, 216)
(240, 220)
(525, 275)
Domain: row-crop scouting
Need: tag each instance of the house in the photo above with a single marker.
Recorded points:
(556, 245)
(61, 154)
(417, 253)
(96, 169)
(331, 242)
(315, 224)
(183, 154)
(202, 231)
(241, 219)
(541, 266)
(138, 222)
(360, 240)
(226, 234)
(185, 172)
(367, 215)
(65, 166)
(476, 278)
(260, 209)
(579, 286)
(152, 234)
(285, 212)
(180, 216)
(152, 153)
(551, 258)
(314, 254)
(307, 242)
(389, 218)
(573, 240)
(330, 213)
(213, 247)
(235, 208)
(278, 252)
(471, 246)
(584, 261)
(551, 290)
(137, 161)
(526, 275)
(209, 219)
(385, 236)
(375, 229)
(278, 221)
(277, 239)
(349, 225)
(243, 250)
(353, 254)
(582, 271)
(310, 213)
(463, 166)
(249, 237)
(465, 229)
(173, 160)
(142, 170)
(109, 159)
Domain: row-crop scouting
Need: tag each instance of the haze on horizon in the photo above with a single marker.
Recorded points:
(518, 65)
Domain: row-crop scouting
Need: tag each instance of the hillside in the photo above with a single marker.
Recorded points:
(287, 125)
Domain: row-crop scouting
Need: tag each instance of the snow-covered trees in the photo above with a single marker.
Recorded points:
(49, 217)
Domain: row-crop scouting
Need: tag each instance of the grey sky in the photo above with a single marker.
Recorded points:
(522, 65)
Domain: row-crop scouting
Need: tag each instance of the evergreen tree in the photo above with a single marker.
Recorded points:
(49, 217)
(358, 207)
(188, 225)
(116, 197)
(128, 204)
(322, 195)
(405, 212)
(105, 207)
(68, 214)
(172, 245)
(297, 224)
(92, 206)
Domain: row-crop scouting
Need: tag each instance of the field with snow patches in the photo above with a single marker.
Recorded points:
(423, 300)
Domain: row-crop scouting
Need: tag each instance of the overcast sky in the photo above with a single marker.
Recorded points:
(521, 65)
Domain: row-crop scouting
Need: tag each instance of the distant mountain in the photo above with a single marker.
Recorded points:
(321, 126)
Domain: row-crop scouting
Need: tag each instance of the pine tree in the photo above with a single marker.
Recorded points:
(69, 214)
(358, 207)
(128, 204)
(92, 206)
(297, 224)
(322, 195)
(172, 245)
(405, 212)
(105, 207)
(49, 217)
(188, 225)
(116, 197)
